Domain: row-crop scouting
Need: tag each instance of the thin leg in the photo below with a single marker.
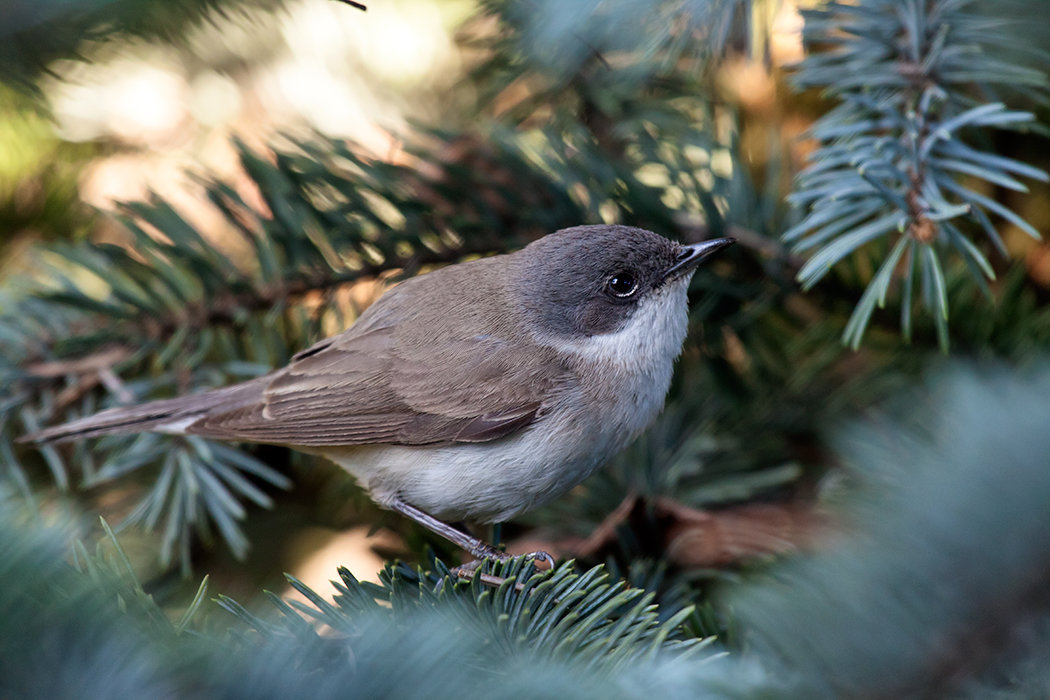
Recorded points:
(478, 549)
(471, 544)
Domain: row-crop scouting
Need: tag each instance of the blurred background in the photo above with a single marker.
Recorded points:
(193, 190)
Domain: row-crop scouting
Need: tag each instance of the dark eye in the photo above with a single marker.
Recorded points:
(622, 285)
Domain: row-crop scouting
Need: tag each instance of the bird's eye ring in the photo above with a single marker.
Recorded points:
(622, 285)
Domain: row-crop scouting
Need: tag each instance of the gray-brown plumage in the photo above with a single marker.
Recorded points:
(556, 356)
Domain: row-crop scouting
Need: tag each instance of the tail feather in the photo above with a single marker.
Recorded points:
(166, 415)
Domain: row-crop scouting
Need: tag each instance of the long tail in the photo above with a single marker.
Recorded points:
(164, 416)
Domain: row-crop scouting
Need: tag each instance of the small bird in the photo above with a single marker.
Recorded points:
(474, 392)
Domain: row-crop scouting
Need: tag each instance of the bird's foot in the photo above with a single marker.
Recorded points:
(469, 570)
(545, 557)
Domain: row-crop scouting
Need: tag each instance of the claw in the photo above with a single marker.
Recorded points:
(469, 570)
(542, 556)
(466, 570)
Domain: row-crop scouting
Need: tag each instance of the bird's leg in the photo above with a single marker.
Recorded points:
(469, 543)
(478, 549)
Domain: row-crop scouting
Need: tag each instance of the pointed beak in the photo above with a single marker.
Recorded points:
(693, 255)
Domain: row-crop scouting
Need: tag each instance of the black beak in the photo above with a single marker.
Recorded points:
(693, 255)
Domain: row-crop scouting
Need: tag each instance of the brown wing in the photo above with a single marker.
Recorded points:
(366, 387)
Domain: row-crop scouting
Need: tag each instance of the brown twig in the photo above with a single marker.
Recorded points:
(91, 370)
(88, 364)
(694, 538)
(700, 538)
(606, 530)
(353, 4)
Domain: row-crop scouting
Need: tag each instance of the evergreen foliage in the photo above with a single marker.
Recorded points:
(896, 160)
(37, 32)
(932, 588)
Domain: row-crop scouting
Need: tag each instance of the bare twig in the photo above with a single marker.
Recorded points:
(353, 4)
(88, 364)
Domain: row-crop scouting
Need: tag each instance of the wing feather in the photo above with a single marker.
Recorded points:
(358, 389)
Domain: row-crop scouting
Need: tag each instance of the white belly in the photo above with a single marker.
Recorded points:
(481, 482)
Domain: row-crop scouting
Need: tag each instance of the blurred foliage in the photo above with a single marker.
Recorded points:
(34, 33)
(583, 112)
(38, 174)
(947, 568)
(933, 587)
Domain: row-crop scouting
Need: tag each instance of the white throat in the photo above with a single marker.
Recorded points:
(632, 367)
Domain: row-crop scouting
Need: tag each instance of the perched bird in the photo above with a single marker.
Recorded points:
(474, 392)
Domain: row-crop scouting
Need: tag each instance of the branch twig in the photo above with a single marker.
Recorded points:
(353, 4)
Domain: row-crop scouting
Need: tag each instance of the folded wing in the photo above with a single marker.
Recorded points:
(366, 387)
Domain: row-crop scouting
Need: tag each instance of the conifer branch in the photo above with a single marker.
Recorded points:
(893, 163)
